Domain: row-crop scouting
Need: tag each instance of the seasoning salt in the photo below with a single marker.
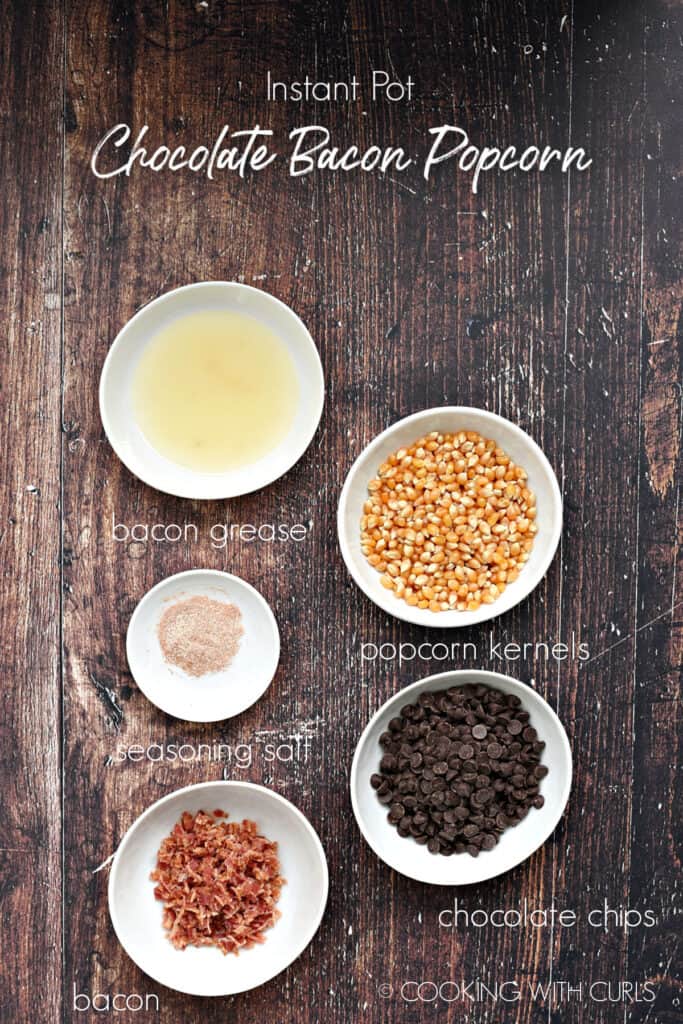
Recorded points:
(200, 635)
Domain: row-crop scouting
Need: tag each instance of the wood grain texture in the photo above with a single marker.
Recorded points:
(552, 299)
(658, 617)
(30, 304)
(601, 465)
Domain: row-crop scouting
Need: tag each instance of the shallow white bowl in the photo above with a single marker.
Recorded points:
(518, 445)
(516, 844)
(203, 971)
(219, 695)
(116, 407)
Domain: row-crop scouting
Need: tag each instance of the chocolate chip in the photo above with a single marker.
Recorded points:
(480, 732)
(388, 764)
(514, 727)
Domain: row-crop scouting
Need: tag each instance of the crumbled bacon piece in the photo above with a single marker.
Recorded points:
(219, 882)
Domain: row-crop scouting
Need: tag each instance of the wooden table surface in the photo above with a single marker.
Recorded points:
(552, 299)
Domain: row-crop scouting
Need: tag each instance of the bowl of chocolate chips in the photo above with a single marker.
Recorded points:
(460, 777)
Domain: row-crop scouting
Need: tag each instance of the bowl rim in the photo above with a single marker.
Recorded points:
(225, 492)
(211, 574)
(460, 677)
(218, 784)
(449, 620)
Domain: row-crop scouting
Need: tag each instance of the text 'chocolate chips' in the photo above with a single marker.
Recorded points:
(459, 767)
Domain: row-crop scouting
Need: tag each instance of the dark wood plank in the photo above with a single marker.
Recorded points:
(30, 437)
(609, 701)
(601, 376)
(658, 617)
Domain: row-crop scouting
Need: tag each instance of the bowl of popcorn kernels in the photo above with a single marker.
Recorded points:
(449, 517)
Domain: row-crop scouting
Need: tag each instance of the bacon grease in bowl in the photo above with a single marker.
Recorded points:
(220, 882)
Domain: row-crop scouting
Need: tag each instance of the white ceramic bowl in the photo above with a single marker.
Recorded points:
(516, 844)
(518, 445)
(204, 971)
(116, 407)
(219, 695)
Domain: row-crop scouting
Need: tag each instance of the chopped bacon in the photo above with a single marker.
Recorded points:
(219, 881)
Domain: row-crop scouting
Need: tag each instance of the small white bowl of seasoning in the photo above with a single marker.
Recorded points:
(203, 645)
(211, 391)
(365, 500)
